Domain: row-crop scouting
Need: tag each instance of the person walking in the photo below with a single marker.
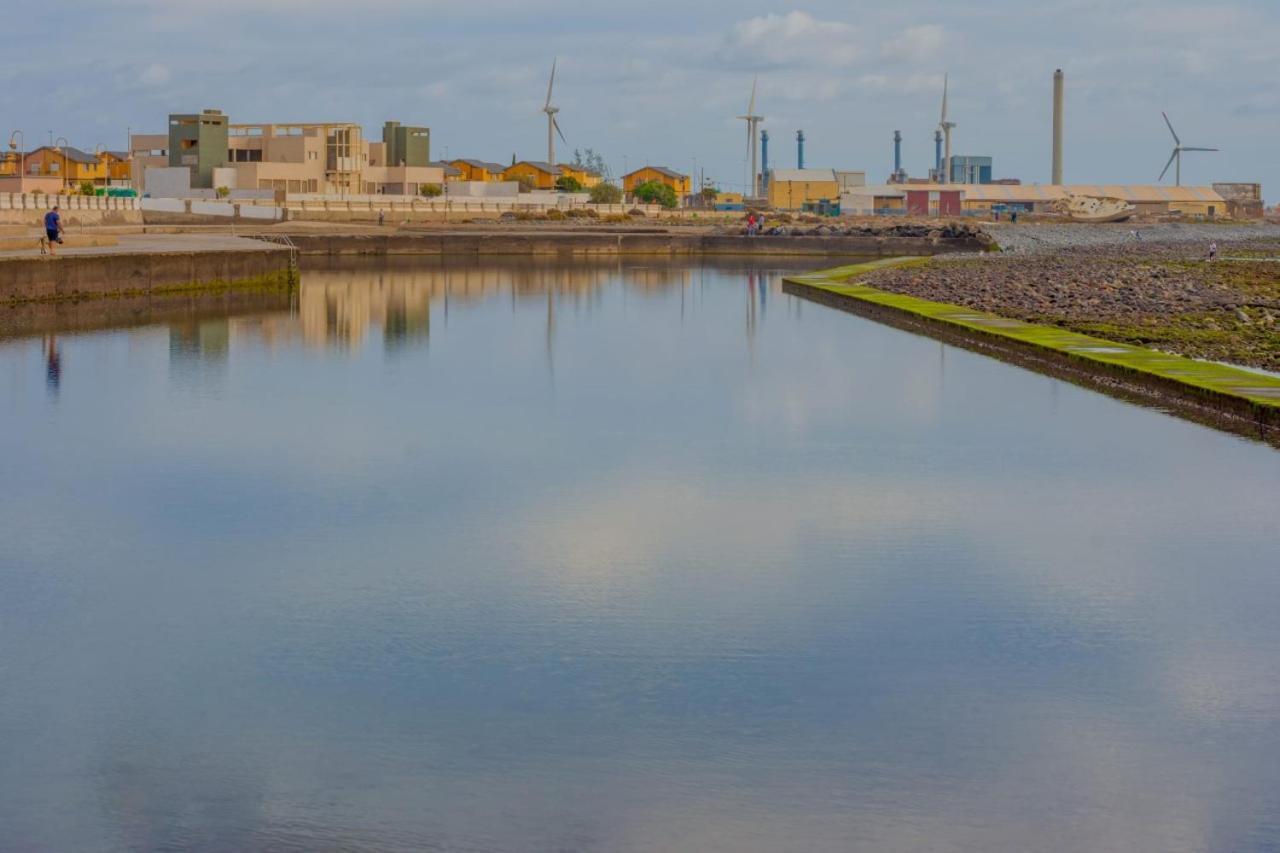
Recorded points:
(53, 228)
(1213, 251)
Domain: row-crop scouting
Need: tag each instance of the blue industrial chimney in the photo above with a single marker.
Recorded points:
(937, 152)
(897, 154)
(764, 162)
(799, 149)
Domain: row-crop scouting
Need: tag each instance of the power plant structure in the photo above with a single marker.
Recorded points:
(764, 162)
(937, 152)
(799, 149)
(1056, 179)
(753, 123)
(899, 174)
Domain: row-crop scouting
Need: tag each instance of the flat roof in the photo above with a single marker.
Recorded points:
(1132, 193)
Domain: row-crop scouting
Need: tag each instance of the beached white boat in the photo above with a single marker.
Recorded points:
(1092, 208)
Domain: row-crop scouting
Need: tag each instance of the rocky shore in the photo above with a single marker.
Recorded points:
(1164, 295)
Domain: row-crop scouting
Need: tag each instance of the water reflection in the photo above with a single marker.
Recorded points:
(821, 586)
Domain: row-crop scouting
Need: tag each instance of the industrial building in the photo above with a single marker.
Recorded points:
(986, 199)
(816, 190)
(967, 169)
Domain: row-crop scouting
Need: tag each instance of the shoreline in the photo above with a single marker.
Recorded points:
(1226, 397)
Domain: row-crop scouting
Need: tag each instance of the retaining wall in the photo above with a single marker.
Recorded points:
(88, 276)
(619, 243)
(29, 209)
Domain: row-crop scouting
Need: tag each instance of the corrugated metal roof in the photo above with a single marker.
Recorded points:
(1132, 193)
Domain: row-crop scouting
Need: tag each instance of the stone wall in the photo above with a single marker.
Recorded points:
(77, 211)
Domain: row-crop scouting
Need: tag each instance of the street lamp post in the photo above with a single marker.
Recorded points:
(21, 148)
(58, 148)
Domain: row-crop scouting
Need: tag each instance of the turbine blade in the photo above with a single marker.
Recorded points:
(751, 105)
(551, 82)
(556, 125)
(1165, 170)
(1171, 130)
(945, 86)
(1199, 149)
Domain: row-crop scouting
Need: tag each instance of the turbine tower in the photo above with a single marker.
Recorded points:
(753, 122)
(1176, 156)
(945, 126)
(553, 126)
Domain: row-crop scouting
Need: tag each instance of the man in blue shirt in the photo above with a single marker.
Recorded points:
(53, 228)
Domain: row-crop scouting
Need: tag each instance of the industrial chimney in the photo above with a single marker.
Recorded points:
(897, 156)
(799, 149)
(764, 162)
(937, 154)
(1057, 128)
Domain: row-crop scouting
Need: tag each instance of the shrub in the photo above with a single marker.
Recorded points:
(430, 190)
(656, 192)
(555, 215)
(526, 183)
(637, 212)
(86, 188)
(568, 184)
(605, 193)
(223, 192)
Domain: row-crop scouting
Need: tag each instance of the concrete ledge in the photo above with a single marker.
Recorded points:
(571, 243)
(1229, 398)
(126, 274)
(69, 241)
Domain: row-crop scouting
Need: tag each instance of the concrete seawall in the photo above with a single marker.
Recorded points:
(130, 274)
(619, 243)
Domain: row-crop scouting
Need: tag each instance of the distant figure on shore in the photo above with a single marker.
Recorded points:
(52, 229)
(1013, 217)
(1213, 251)
(751, 225)
(382, 217)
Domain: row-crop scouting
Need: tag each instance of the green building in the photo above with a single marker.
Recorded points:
(406, 146)
(198, 142)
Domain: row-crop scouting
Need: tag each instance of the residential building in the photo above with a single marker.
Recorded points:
(69, 165)
(406, 146)
(539, 175)
(584, 176)
(678, 182)
(478, 170)
(798, 189)
(146, 151)
(452, 174)
(199, 142)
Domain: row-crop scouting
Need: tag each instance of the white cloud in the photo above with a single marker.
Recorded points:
(919, 44)
(154, 74)
(795, 38)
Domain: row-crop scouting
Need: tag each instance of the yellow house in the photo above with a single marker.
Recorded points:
(584, 176)
(791, 189)
(678, 182)
(116, 165)
(479, 170)
(71, 165)
(541, 175)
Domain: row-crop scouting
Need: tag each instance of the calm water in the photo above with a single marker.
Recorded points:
(617, 558)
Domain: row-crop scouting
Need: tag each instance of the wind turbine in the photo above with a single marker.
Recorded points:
(1176, 156)
(553, 126)
(753, 150)
(945, 126)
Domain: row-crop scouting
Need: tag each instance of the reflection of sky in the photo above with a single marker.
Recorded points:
(811, 584)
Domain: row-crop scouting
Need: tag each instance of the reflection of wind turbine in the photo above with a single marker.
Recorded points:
(1176, 156)
(945, 126)
(553, 126)
(753, 151)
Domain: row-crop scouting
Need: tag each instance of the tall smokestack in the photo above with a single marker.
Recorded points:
(1057, 128)
(764, 161)
(937, 152)
(799, 149)
(897, 154)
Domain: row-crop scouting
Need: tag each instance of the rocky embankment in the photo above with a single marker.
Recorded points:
(1050, 236)
(1164, 295)
(834, 228)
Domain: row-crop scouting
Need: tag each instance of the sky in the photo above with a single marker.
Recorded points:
(661, 82)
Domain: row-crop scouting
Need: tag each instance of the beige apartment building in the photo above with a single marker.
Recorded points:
(330, 158)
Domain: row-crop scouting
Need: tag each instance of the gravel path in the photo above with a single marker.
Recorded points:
(1037, 237)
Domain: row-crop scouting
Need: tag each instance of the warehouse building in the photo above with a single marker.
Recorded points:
(987, 199)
